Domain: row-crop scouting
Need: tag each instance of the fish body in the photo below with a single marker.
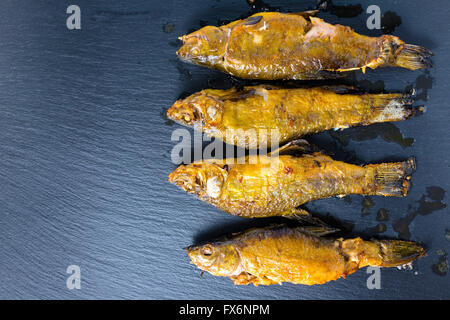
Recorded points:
(301, 255)
(254, 116)
(274, 185)
(273, 45)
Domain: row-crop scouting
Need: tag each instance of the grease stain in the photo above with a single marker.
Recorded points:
(389, 21)
(348, 11)
(387, 131)
(425, 207)
(423, 83)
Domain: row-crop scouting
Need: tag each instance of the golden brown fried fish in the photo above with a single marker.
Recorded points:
(250, 117)
(275, 184)
(273, 45)
(301, 255)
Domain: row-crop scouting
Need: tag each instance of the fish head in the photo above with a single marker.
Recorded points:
(219, 259)
(197, 110)
(204, 179)
(205, 46)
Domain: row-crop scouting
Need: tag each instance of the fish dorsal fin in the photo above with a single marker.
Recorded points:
(306, 14)
(292, 148)
(252, 20)
(319, 231)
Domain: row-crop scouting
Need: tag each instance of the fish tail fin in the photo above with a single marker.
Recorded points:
(413, 57)
(392, 179)
(394, 107)
(381, 253)
(393, 253)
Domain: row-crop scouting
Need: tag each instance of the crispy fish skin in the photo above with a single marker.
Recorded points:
(301, 255)
(276, 46)
(272, 185)
(253, 116)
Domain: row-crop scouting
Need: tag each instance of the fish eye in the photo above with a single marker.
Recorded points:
(207, 250)
(195, 51)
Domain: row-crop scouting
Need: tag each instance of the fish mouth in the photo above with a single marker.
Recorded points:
(191, 248)
(179, 179)
(185, 114)
(192, 50)
(185, 181)
(183, 55)
(198, 259)
(188, 249)
(190, 42)
(192, 252)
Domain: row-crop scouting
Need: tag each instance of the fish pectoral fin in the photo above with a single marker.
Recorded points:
(292, 148)
(303, 216)
(296, 212)
(245, 278)
(321, 75)
(342, 89)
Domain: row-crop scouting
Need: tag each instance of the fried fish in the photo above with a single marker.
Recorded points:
(252, 116)
(301, 255)
(273, 45)
(277, 183)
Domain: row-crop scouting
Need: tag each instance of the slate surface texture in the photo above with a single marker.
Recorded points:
(85, 152)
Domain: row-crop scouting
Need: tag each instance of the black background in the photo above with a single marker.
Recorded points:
(85, 152)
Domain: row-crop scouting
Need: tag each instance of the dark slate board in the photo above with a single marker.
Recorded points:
(85, 152)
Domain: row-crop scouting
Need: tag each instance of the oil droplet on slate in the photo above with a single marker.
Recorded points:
(168, 27)
(367, 203)
(382, 215)
(441, 267)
